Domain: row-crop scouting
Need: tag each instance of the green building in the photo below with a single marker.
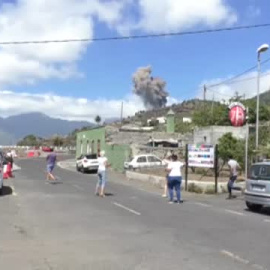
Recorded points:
(94, 140)
(170, 122)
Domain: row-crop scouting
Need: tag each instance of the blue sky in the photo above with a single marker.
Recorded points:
(103, 70)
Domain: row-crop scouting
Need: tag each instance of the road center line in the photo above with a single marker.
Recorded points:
(234, 257)
(203, 204)
(234, 212)
(13, 191)
(267, 220)
(78, 187)
(126, 208)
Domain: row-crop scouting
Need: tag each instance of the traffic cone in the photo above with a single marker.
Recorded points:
(5, 174)
(9, 170)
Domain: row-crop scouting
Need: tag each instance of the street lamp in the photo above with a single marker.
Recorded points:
(260, 50)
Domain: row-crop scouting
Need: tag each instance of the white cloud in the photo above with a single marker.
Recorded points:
(245, 86)
(174, 15)
(48, 20)
(64, 107)
(69, 108)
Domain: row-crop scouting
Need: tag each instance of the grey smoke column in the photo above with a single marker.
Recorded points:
(151, 90)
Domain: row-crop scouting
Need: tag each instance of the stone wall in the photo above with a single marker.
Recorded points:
(211, 135)
(113, 135)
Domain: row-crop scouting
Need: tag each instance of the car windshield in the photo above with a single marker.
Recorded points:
(92, 156)
(260, 172)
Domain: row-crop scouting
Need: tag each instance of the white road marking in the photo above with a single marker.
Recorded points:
(234, 257)
(13, 191)
(259, 267)
(234, 212)
(78, 187)
(203, 204)
(126, 208)
(267, 220)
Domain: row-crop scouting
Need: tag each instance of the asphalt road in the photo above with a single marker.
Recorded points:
(65, 226)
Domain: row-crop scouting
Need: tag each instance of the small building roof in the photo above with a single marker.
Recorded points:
(170, 112)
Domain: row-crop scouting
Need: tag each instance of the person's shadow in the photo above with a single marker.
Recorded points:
(6, 190)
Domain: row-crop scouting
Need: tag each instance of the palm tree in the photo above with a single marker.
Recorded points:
(98, 119)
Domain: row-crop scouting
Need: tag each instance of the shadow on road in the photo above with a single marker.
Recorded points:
(265, 211)
(6, 190)
(109, 194)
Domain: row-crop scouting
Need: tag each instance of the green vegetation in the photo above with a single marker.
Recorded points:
(98, 119)
(30, 140)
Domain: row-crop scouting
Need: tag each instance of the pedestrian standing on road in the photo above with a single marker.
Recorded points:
(102, 174)
(174, 178)
(51, 161)
(234, 167)
(167, 160)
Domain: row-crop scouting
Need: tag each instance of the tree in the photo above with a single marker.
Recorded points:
(58, 141)
(181, 127)
(29, 140)
(211, 114)
(229, 146)
(98, 119)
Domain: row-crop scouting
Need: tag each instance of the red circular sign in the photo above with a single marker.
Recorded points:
(237, 115)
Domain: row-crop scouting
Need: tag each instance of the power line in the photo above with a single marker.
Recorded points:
(135, 36)
(238, 75)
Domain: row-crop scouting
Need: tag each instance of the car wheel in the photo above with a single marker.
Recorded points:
(84, 170)
(254, 207)
(77, 168)
(1, 191)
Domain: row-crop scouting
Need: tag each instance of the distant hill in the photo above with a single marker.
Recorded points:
(16, 127)
(264, 98)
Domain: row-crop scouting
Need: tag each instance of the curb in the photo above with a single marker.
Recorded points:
(193, 185)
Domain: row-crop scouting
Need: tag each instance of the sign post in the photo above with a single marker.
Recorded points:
(202, 156)
(216, 169)
(186, 168)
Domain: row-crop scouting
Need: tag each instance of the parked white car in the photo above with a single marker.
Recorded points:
(86, 163)
(144, 161)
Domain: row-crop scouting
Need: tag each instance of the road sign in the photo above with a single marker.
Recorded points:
(201, 155)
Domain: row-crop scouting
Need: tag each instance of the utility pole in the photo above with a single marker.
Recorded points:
(122, 109)
(212, 107)
(204, 96)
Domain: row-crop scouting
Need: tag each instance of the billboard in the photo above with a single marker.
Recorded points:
(201, 155)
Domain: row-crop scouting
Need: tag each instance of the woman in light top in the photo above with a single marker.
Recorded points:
(174, 178)
(102, 174)
(167, 161)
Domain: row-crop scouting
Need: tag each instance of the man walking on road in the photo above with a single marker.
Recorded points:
(51, 161)
(234, 167)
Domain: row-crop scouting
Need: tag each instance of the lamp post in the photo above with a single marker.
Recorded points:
(260, 50)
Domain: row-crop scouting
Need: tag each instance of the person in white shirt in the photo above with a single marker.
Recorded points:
(234, 167)
(167, 160)
(102, 174)
(174, 178)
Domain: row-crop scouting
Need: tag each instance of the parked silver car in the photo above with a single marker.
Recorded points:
(257, 193)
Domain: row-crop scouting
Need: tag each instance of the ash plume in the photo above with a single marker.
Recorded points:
(151, 90)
